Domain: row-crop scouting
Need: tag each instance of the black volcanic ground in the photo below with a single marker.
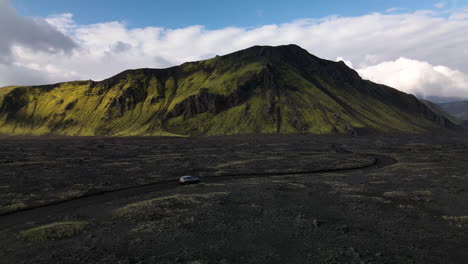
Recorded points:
(264, 199)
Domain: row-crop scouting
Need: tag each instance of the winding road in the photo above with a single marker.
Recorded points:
(94, 202)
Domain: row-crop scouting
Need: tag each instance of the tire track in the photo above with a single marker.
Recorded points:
(13, 219)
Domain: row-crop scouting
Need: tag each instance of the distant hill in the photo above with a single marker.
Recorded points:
(457, 109)
(441, 99)
(262, 89)
(438, 110)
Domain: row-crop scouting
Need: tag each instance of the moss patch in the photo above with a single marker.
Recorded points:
(15, 207)
(423, 193)
(54, 231)
(370, 198)
(164, 206)
(413, 166)
(458, 221)
(209, 185)
(395, 194)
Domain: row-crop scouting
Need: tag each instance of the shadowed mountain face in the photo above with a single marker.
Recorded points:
(457, 109)
(438, 110)
(258, 90)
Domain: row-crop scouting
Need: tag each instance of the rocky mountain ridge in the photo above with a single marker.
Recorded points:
(260, 90)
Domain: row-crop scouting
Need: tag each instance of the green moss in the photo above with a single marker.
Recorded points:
(413, 166)
(395, 194)
(295, 186)
(54, 231)
(284, 96)
(15, 207)
(209, 185)
(164, 206)
(423, 193)
(458, 221)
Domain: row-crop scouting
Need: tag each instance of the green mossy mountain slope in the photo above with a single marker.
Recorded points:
(258, 90)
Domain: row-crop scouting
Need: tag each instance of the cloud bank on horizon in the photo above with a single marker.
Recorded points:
(423, 52)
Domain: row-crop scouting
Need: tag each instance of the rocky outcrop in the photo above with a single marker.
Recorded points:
(14, 101)
(206, 102)
(127, 101)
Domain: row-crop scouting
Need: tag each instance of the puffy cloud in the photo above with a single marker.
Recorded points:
(35, 34)
(395, 9)
(440, 5)
(370, 43)
(459, 16)
(63, 22)
(418, 77)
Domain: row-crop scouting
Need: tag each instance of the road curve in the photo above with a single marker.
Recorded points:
(13, 219)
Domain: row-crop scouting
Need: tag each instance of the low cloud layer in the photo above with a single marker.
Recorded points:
(418, 77)
(424, 52)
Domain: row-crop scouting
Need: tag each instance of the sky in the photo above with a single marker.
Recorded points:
(212, 14)
(418, 46)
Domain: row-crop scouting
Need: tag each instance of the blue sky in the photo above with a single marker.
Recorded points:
(213, 13)
(417, 46)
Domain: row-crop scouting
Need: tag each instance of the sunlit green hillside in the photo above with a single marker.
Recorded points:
(259, 90)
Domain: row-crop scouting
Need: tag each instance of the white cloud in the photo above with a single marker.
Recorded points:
(418, 77)
(10, 74)
(347, 62)
(440, 5)
(395, 9)
(36, 34)
(63, 22)
(101, 50)
(459, 16)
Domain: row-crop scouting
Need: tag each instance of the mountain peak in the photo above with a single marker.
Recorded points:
(272, 52)
(268, 50)
(259, 90)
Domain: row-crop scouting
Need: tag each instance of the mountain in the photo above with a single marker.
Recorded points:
(441, 99)
(258, 90)
(438, 110)
(457, 109)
